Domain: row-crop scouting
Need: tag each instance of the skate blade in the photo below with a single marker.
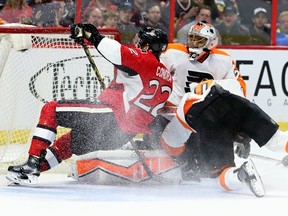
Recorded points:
(256, 185)
(17, 179)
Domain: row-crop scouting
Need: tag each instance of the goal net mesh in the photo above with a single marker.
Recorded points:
(48, 67)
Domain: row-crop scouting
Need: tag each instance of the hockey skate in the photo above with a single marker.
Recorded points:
(25, 174)
(247, 173)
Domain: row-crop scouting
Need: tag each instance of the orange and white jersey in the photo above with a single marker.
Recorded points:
(217, 66)
(178, 130)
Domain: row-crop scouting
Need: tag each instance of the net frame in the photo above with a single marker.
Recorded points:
(12, 149)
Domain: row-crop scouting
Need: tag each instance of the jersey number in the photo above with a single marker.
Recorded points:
(153, 109)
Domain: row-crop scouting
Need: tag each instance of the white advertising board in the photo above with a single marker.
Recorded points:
(30, 79)
(55, 74)
(266, 76)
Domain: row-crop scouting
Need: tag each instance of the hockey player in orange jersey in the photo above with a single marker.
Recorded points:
(199, 61)
(216, 113)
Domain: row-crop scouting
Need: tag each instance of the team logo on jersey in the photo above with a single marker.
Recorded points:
(196, 76)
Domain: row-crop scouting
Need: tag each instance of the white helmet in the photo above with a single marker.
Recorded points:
(202, 38)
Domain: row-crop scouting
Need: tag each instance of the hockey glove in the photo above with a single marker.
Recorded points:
(77, 33)
(242, 146)
(87, 31)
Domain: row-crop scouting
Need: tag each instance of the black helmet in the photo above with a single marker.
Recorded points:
(155, 38)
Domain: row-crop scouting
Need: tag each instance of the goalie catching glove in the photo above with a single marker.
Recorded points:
(88, 31)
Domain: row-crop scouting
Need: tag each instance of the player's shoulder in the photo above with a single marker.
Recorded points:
(136, 53)
(177, 47)
(217, 55)
(220, 53)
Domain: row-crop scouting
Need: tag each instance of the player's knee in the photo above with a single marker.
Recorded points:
(49, 108)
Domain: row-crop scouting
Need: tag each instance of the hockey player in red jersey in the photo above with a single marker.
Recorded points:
(216, 113)
(129, 105)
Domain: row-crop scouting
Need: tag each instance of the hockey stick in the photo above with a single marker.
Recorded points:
(95, 69)
(284, 161)
(141, 159)
(149, 172)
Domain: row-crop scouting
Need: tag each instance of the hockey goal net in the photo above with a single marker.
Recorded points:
(39, 65)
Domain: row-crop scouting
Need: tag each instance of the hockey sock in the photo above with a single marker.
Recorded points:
(45, 132)
(56, 153)
(229, 181)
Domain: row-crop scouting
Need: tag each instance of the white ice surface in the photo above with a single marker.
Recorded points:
(56, 194)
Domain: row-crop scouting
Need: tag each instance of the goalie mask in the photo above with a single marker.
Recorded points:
(151, 38)
(202, 38)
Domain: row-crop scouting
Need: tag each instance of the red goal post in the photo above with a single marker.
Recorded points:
(39, 65)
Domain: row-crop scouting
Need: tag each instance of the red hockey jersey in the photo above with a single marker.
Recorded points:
(141, 87)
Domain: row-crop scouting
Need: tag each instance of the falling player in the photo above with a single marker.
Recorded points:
(216, 113)
(141, 87)
(202, 61)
